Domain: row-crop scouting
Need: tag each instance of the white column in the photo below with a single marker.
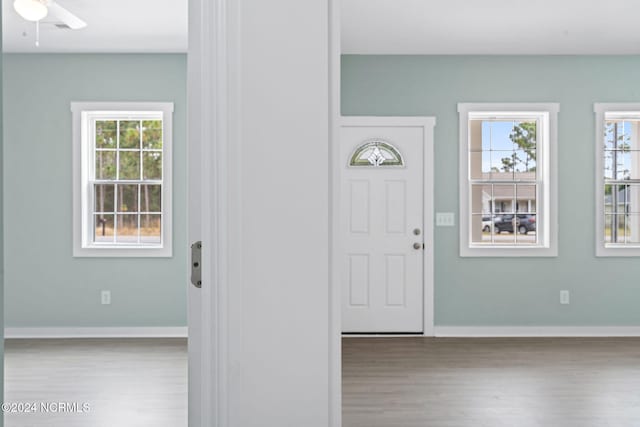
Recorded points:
(259, 165)
(279, 279)
(261, 116)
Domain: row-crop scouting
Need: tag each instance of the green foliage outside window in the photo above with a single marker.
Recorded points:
(128, 150)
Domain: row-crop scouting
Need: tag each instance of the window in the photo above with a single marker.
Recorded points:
(507, 179)
(617, 179)
(122, 179)
(376, 153)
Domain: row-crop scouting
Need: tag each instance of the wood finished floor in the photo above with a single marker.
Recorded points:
(426, 382)
(387, 382)
(126, 382)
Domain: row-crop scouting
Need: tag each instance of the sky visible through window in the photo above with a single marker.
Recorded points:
(497, 145)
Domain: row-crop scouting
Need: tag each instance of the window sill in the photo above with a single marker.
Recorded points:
(604, 251)
(508, 251)
(122, 252)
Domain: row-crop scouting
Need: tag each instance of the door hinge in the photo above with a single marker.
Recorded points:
(196, 264)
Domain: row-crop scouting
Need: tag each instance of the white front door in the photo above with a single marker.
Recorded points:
(381, 222)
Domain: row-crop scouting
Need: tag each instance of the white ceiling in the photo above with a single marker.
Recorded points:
(491, 26)
(368, 27)
(113, 26)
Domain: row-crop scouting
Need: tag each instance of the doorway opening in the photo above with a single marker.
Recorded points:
(103, 330)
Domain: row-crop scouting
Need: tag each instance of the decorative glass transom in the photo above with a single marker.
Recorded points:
(376, 153)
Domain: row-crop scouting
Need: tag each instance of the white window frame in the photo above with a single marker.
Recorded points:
(547, 201)
(82, 114)
(619, 110)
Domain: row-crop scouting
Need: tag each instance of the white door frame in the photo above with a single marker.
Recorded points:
(335, 291)
(427, 124)
(212, 60)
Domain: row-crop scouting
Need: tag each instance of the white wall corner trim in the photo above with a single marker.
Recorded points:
(535, 331)
(212, 80)
(97, 332)
(335, 289)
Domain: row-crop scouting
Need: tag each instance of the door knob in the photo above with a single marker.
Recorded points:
(417, 245)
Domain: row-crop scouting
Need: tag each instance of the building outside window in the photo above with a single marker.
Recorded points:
(507, 179)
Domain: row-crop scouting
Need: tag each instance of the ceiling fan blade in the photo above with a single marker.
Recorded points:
(68, 18)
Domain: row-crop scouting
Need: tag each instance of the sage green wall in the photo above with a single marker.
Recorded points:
(513, 291)
(45, 285)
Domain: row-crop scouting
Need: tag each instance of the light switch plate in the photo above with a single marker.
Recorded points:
(445, 219)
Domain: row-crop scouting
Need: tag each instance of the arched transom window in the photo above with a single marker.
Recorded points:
(376, 153)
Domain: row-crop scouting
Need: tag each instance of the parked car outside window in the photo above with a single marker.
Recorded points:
(524, 223)
(486, 223)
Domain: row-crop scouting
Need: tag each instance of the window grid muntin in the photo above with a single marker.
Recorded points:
(538, 182)
(615, 183)
(119, 117)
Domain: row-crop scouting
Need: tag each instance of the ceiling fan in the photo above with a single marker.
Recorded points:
(36, 10)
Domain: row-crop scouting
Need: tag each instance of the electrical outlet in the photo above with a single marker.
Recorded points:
(564, 297)
(105, 297)
(445, 219)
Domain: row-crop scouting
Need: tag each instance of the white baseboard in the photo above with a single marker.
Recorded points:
(351, 335)
(97, 332)
(535, 331)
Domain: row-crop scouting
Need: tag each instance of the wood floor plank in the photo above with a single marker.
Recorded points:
(427, 382)
(125, 382)
(397, 382)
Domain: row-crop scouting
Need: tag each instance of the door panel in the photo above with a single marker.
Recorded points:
(360, 207)
(359, 280)
(396, 209)
(382, 272)
(395, 266)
